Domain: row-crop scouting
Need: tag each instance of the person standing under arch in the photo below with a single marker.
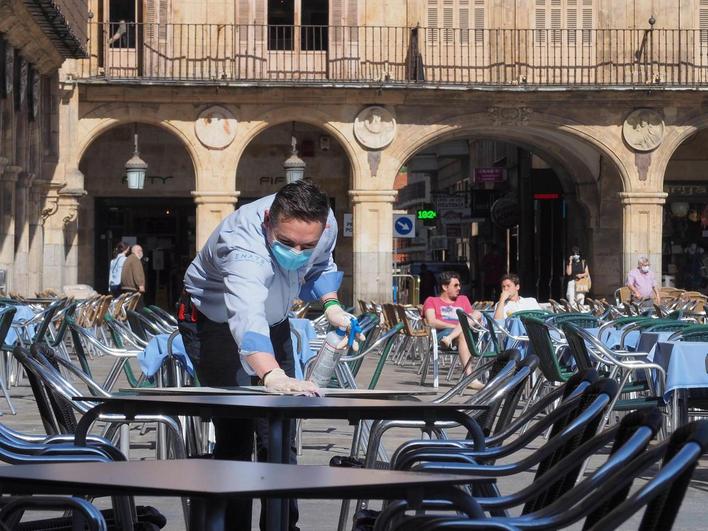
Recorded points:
(115, 268)
(577, 270)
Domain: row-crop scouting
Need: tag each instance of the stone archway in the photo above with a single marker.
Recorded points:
(160, 216)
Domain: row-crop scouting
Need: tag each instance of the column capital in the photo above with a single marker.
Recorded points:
(4, 161)
(643, 198)
(10, 174)
(204, 197)
(373, 196)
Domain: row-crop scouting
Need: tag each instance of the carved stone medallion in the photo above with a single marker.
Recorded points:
(375, 127)
(215, 127)
(643, 129)
(509, 115)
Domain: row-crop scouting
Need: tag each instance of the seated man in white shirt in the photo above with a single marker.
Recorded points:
(509, 301)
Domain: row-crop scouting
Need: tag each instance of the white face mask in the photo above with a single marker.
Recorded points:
(645, 269)
(576, 257)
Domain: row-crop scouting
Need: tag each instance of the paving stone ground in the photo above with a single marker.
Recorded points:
(323, 439)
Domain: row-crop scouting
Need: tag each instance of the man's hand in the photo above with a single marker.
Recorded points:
(338, 318)
(276, 381)
(504, 296)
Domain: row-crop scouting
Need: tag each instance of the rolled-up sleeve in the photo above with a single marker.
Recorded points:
(246, 277)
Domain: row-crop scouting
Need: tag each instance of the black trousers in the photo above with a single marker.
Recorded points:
(219, 365)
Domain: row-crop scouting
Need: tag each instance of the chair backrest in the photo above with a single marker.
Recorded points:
(510, 402)
(691, 333)
(594, 401)
(489, 319)
(583, 320)
(404, 318)
(539, 314)
(622, 295)
(7, 313)
(577, 345)
(468, 335)
(665, 325)
(540, 338)
(663, 494)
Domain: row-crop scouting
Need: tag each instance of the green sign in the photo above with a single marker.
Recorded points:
(427, 215)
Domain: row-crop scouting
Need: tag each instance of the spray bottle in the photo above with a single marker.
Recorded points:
(331, 352)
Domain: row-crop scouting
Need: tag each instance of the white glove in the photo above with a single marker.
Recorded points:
(276, 381)
(338, 318)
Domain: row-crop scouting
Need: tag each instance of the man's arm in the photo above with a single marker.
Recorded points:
(499, 310)
(435, 322)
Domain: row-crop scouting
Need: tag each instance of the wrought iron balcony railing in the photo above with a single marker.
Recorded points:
(223, 54)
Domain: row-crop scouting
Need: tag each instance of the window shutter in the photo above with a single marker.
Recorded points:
(242, 18)
(352, 19)
(464, 21)
(150, 19)
(164, 16)
(540, 20)
(587, 21)
(479, 21)
(703, 21)
(448, 23)
(432, 21)
(572, 20)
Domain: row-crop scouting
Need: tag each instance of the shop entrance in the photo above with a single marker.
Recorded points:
(165, 228)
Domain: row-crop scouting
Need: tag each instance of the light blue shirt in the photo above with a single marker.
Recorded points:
(115, 269)
(236, 279)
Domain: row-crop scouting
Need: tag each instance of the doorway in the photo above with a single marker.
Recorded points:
(164, 227)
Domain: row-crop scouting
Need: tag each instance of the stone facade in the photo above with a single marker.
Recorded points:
(612, 168)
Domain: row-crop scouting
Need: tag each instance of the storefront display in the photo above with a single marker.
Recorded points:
(685, 236)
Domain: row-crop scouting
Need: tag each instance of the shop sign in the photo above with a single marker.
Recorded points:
(489, 175)
(687, 190)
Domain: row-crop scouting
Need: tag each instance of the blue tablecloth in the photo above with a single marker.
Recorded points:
(685, 363)
(302, 332)
(612, 337)
(153, 356)
(22, 313)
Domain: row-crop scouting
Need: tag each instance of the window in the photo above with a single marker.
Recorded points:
(703, 21)
(121, 24)
(312, 17)
(281, 19)
(451, 21)
(555, 18)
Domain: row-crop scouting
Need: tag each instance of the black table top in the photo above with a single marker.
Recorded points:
(209, 477)
(262, 405)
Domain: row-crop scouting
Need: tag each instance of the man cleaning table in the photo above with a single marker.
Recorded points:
(242, 284)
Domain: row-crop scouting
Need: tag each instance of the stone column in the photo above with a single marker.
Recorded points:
(60, 239)
(38, 195)
(8, 179)
(373, 244)
(212, 207)
(21, 276)
(642, 216)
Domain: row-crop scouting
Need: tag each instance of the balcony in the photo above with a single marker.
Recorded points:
(395, 56)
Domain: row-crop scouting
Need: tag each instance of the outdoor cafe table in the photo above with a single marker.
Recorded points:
(686, 366)
(278, 411)
(211, 483)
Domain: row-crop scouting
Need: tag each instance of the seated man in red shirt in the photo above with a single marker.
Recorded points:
(441, 314)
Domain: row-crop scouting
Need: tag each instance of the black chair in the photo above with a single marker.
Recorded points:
(555, 488)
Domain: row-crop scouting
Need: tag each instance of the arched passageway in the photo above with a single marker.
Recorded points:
(160, 217)
(685, 221)
(260, 172)
(510, 204)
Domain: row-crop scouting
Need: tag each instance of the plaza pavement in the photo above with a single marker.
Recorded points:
(323, 439)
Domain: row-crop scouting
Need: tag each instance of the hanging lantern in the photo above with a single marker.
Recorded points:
(294, 166)
(136, 168)
(679, 209)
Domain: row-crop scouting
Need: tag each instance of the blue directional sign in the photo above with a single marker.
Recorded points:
(404, 226)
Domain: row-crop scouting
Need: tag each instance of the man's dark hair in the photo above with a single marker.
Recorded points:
(446, 277)
(510, 276)
(302, 200)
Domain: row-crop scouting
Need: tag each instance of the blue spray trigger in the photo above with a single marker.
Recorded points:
(354, 330)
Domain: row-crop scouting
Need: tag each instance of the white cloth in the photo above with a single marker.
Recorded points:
(524, 303)
(115, 269)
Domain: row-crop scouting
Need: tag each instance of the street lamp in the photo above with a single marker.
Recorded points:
(136, 168)
(294, 166)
